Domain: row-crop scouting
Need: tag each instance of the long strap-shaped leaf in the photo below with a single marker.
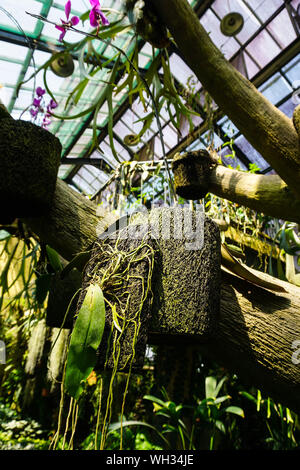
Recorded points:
(85, 340)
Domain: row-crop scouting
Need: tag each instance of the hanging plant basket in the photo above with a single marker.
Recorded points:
(29, 161)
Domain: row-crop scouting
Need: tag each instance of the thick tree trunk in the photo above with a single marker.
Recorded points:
(257, 337)
(265, 127)
(257, 328)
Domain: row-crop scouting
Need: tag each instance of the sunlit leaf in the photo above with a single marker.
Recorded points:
(235, 410)
(54, 259)
(85, 340)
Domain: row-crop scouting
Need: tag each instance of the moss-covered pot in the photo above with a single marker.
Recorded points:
(29, 162)
(191, 174)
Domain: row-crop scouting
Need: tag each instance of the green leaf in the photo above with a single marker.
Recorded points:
(259, 399)
(219, 386)
(235, 410)
(249, 397)
(155, 400)
(210, 387)
(53, 258)
(85, 340)
(115, 426)
(85, 16)
(78, 262)
(219, 425)
(221, 399)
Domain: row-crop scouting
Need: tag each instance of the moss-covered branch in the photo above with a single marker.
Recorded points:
(267, 194)
(256, 337)
(72, 224)
(266, 128)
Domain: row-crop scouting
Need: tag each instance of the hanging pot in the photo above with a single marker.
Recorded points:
(29, 162)
(192, 174)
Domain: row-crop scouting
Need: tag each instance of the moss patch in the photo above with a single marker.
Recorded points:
(191, 174)
(186, 283)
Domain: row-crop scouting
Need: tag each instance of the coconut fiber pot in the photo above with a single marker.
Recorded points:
(29, 161)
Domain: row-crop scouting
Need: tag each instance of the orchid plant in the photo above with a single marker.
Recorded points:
(96, 16)
(65, 25)
(164, 94)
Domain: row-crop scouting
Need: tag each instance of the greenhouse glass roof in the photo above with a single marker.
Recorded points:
(266, 50)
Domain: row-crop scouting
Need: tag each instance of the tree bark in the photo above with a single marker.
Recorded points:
(256, 337)
(256, 328)
(72, 224)
(266, 128)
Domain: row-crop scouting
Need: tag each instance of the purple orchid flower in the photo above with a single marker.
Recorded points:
(67, 24)
(52, 105)
(46, 122)
(40, 91)
(37, 102)
(97, 16)
(38, 108)
(34, 112)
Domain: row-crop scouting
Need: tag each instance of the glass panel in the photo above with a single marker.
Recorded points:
(264, 8)
(252, 68)
(280, 24)
(182, 72)
(212, 25)
(289, 106)
(263, 48)
(292, 69)
(9, 72)
(251, 153)
(228, 127)
(18, 10)
(275, 89)
(232, 162)
(251, 24)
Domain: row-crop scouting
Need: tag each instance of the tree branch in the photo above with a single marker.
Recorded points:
(263, 193)
(73, 222)
(266, 128)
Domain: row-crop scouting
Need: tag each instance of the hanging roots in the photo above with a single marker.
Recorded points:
(125, 279)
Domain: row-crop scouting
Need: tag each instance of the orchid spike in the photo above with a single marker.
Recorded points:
(65, 25)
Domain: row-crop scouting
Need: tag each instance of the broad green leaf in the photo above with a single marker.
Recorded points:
(221, 399)
(235, 410)
(78, 262)
(155, 400)
(249, 396)
(85, 340)
(53, 258)
(220, 426)
(210, 387)
(219, 386)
